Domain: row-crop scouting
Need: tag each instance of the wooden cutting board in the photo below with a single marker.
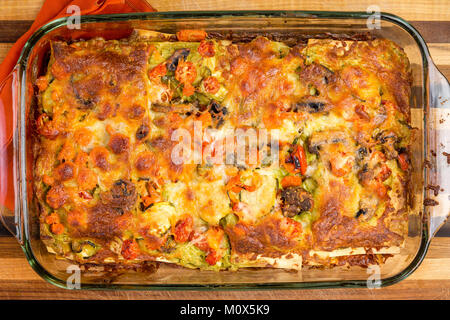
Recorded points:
(430, 281)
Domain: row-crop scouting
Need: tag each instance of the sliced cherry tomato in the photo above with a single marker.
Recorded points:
(52, 218)
(130, 249)
(212, 258)
(153, 195)
(381, 189)
(147, 200)
(186, 72)
(46, 127)
(42, 83)
(158, 71)
(297, 161)
(55, 96)
(235, 185)
(183, 229)
(211, 85)
(85, 195)
(206, 49)
(191, 35)
(210, 243)
(233, 182)
(403, 161)
(300, 153)
(291, 181)
(48, 180)
(385, 172)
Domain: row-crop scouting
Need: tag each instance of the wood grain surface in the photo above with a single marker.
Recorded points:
(430, 281)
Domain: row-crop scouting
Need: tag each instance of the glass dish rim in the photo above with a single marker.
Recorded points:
(23, 205)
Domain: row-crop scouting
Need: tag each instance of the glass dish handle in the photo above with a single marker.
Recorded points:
(9, 207)
(437, 201)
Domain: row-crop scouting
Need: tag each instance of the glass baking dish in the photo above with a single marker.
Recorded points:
(429, 103)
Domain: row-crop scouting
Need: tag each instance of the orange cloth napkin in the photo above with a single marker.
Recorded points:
(50, 10)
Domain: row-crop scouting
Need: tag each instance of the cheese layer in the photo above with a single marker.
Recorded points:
(290, 155)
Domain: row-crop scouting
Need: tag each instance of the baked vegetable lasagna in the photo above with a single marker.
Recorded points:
(215, 154)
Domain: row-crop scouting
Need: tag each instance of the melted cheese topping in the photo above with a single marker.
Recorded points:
(110, 191)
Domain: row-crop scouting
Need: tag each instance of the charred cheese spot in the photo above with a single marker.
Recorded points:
(65, 171)
(99, 156)
(119, 143)
(57, 196)
(145, 162)
(48, 128)
(296, 200)
(105, 111)
(122, 195)
(87, 91)
(58, 71)
(270, 237)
